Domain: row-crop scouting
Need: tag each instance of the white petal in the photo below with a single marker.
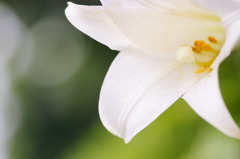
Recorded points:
(138, 88)
(161, 31)
(185, 5)
(205, 99)
(122, 4)
(221, 7)
(93, 21)
(232, 39)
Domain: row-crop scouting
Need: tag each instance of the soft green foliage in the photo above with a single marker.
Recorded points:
(177, 134)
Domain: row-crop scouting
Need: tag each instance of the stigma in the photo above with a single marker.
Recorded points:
(200, 53)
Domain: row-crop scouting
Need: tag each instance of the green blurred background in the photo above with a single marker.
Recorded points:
(56, 75)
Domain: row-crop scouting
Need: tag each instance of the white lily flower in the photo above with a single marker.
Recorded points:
(169, 49)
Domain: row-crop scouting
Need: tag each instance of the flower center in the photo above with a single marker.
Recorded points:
(201, 53)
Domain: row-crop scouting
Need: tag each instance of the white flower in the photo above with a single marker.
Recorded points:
(169, 49)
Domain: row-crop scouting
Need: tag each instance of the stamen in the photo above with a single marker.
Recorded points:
(212, 39)
(198, 43)
(201, 46)
(201, 54)
(201, 69)
(196, 49)
(206, 47)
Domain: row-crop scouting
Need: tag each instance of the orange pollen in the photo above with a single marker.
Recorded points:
(201, 46)
(212, 39)
(206, 47)
(210, 70)
(196, 49)
(203, 69)
(198, 43)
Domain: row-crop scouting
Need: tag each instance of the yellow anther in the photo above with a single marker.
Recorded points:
(198, 43)
(201, 69)
(206, 47)
(201, 46)
(210, 70)
(196, 49)
(212, 39)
